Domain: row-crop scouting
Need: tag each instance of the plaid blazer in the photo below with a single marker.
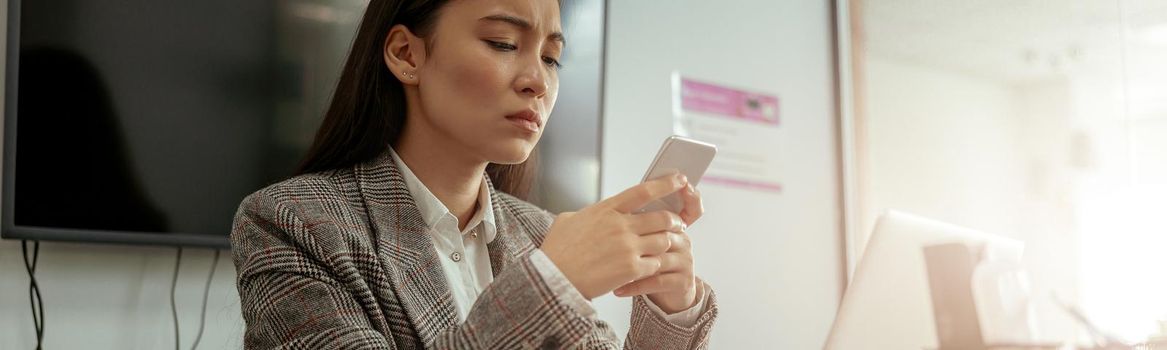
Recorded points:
(342, 260)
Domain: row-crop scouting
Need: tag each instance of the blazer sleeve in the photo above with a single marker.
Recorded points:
(289, 299)
(650, 330)
(529, 305)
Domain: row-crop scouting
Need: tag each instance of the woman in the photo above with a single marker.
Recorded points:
(399, 231)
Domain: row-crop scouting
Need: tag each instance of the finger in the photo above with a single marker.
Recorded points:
(656, 284)
(655, 244)
(656, 221)
(647, 266)
(694, 208)
(679, 243)
(644, 193)
(675, 262)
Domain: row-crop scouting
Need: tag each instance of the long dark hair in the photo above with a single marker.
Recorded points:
(368, 110)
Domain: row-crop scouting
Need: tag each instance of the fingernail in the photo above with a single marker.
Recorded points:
(619, 292)
(682, 179)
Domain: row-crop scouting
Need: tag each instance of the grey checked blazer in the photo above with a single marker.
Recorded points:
(341, 260)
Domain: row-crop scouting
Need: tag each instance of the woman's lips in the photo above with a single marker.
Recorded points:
(527, 120)
(525, 124)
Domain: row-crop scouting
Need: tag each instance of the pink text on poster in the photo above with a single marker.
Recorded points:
(729, 102)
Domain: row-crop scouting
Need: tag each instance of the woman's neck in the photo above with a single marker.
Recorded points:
(443, 168)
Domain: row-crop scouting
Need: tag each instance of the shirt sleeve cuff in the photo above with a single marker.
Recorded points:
(684, 318)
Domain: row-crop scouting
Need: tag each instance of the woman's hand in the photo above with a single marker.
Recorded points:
(605, 246)
(673, 288)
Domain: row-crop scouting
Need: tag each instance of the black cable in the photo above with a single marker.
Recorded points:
(34, 291)
(173, 306)
(206, 292)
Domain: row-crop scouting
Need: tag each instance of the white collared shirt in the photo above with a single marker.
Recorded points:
(463, 253)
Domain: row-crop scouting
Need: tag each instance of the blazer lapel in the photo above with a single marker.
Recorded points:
(511, 241)
(406, 248)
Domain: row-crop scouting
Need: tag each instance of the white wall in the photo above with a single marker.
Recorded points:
(941, 144)
(114, 297)
(775, 261)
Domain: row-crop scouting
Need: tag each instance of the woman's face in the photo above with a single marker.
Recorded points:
(488, 79)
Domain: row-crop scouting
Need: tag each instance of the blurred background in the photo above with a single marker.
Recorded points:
(1044, 121)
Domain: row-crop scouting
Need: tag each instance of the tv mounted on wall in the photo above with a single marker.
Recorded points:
(148, 121)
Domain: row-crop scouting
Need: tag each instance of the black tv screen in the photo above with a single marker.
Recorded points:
(147, 121)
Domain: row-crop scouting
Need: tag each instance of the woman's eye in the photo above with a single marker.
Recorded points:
(553, 63)
(501, 46)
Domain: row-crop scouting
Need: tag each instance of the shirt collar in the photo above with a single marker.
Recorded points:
(432, 210)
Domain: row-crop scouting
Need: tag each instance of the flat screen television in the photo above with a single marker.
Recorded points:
(148, 121)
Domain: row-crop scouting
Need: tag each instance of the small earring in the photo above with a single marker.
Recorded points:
(410, 75)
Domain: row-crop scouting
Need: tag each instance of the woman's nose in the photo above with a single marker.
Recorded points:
(533, 80)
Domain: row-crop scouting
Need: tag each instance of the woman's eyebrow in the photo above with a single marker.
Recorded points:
(523, 25)
(516, 21)
(557, 36)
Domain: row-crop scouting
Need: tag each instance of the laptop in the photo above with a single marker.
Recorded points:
(888, 304)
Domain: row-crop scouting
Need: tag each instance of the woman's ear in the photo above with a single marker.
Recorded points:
(404, 54)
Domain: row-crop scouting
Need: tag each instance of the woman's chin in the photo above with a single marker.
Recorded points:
(512, 154)
(510, 160)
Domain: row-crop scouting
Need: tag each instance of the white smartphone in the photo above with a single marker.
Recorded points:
(678, 154)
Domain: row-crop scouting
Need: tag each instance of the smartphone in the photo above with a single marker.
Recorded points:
(678, 154)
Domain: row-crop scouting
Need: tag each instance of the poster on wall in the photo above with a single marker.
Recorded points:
(741, 123)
